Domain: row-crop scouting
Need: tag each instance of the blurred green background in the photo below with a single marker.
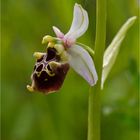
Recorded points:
(63, 115)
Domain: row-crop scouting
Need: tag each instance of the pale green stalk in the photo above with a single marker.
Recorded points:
(86, 48)
(94, 92)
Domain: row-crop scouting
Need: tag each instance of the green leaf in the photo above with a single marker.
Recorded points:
(112, 51)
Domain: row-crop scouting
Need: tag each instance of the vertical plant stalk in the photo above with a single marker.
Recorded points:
(94, 92)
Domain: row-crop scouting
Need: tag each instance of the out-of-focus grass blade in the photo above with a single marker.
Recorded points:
(111, 52)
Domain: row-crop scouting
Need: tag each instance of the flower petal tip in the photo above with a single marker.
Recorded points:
(76, 4)
(79, 24)
(133, 18)
(94, 82)
(58, 33)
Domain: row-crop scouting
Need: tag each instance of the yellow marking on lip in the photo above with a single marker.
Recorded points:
(38, 74)
(49, 72)
(46, 79)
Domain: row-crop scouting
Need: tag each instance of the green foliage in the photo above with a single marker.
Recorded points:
(112, 50)
(63, 115)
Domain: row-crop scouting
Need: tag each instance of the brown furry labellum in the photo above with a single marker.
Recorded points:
(49, 72)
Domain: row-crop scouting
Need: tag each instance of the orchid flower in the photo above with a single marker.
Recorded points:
(63, 52)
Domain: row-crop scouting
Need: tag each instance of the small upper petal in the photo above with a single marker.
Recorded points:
(79, 24)
(58, 33)
(82, 63)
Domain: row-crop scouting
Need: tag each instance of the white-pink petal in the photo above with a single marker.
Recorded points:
(79, 24)
(58, 33)
(82, 63)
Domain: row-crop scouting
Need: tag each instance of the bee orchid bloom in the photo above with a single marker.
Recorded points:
(63, 52)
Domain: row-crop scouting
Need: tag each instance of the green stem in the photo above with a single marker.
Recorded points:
(94, 92)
